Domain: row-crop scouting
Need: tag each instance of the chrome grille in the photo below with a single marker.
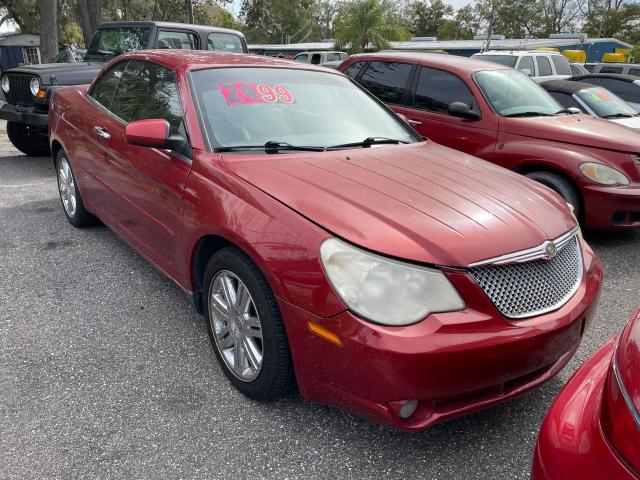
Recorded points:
(19, 93)
(529, 288)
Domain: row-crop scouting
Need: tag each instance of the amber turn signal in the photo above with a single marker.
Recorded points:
(324, 333)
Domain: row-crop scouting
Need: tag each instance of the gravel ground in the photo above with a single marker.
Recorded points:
(107, 372)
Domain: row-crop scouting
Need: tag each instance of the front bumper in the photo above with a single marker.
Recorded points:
(28, 115)
(452, 363)
(571, 443)
(612, 208)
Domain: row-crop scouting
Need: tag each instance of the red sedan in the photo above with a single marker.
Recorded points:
(501, 115)
(328, 245)
(592, 430)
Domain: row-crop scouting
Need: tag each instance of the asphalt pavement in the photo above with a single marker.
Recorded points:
(106, 371)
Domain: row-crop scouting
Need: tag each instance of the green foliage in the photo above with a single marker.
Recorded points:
(364, 24)
(426, 17)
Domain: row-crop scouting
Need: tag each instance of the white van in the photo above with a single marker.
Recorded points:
(538, 64)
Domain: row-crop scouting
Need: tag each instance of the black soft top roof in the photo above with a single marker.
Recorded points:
(615, 76)
(565, 86)
(182, 26)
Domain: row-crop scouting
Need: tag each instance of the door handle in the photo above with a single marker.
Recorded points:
(101, 132)
(414, 122)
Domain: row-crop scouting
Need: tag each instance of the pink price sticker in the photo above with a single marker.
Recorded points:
(602, 96)
(245, 93)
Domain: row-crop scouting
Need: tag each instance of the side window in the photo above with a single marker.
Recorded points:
(315, 58)
(352, 70)
(104, 88)
(567, 100)
(386, 80)
(625, 90)
(561, 64)
(544, 67)
(177, 40)
(611, 70)
(226, 42)
(634, 71)
(437, 89)
(526, 63)
(332, 56)
(303, 58)
(575, 70)
(148, 90)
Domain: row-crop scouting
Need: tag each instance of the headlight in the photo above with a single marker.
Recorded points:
(383, 290)
(603, 174)
(34, 86)
(5, 84)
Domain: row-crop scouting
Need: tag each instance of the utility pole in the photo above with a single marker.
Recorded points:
(490, 30)
(189, 5)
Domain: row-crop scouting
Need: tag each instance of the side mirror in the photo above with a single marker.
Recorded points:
(153, 133)
(462, 110)
(526, 71)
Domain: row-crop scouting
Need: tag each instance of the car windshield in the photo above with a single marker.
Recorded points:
(507, 60)
(605, 104)
(513, 94)
(109, 42)
(258, 106)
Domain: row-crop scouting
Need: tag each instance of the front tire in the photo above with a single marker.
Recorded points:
(29, 140)
(70, 197)
(561, 186)
(245, 326)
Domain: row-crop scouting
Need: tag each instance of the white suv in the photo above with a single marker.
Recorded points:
(538, 64)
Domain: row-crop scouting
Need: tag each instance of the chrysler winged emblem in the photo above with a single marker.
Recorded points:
(551, 250)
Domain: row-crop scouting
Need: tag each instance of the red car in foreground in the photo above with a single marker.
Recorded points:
(499, 114)
(328, 247)
(592, 430)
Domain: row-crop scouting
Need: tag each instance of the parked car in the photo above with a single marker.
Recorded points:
(623, 68)
(592, 430)
(595, 101)
(320, 57)
(332, 64)
(28, 88)
(578, 69)
(499, 114)
(537, 64)
(427, 283)
(626, 87)
(69, 56)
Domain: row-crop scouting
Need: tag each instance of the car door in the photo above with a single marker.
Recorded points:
(432, 92)
(526, 66)
(177, 39)
(544, 69)
(389, 81)
(146, 184)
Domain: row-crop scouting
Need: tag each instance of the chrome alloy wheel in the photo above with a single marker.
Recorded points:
(235, 324)
(67, 187)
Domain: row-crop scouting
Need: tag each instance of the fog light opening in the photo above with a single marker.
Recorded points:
(408, 409)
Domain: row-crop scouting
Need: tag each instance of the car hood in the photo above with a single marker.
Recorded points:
(631, 122)
(421, 202)
(62, 73)
(577, 129)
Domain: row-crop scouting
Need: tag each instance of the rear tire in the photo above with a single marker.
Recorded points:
(561, 186)
(29, 140)
(255, 325)
(72, 203)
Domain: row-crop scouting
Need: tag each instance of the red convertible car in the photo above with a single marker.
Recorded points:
(329, 248)
(592, 430)
(499, 114)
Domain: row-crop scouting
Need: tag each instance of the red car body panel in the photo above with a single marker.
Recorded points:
(438, 207)
(558, 144)
(572, 443)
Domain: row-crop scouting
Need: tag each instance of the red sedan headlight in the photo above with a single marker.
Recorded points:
(620, 419)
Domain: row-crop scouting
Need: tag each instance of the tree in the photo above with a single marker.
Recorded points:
(278, 21)
(48, 30)
(426, 17)
(89, 17)
(364, 24)
(464, 26)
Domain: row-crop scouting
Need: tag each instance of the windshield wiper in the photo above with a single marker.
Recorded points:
(528, 114)
(367, 142)
(270, 147)
(619, 115)
(570, 111)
